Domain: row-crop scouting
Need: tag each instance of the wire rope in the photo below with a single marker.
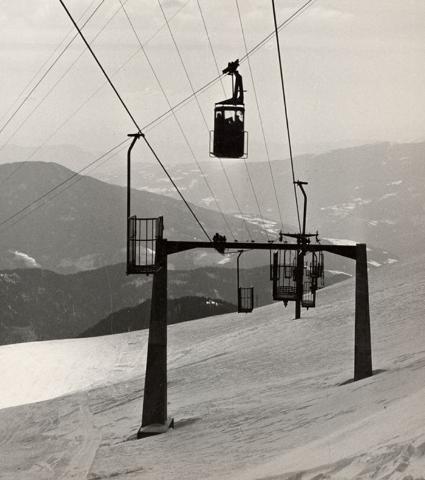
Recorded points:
(135, 122)
(115, 72)
(253, 50)
(260, 117)
(48, 70)
(180, 104)
(27, 85)
(46, 194)
(211, 47)
(242, 216)
(204, 23)
(201, 112)
(76, 111)
(286, 113)
(73, 179)
(179, 124)
(50, 91)
(162, 117)
(245, 162)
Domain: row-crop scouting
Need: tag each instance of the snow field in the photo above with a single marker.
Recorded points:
(257, 396)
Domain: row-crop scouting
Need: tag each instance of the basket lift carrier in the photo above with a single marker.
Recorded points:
(245, 294)
(313, 279)
(142, 237)
(317, 269)
(309, 291)
(284, 268)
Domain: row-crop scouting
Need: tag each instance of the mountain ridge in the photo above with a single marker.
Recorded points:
(41, 305)
(85, 226)
(361, 193)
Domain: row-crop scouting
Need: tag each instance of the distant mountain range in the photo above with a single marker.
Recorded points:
(370, 193)
(84, 226)
(38, 304)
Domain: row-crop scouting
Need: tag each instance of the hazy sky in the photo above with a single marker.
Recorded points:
(354, 72)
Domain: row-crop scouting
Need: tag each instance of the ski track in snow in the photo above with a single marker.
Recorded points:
(257, 396)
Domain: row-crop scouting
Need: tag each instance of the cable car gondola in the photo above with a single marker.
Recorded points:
(229, 139)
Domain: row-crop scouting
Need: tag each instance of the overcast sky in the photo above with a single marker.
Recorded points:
(354, 72)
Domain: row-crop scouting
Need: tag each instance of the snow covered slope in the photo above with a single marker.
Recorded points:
(257, 396)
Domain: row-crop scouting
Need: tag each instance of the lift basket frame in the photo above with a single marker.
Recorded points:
(142, 244)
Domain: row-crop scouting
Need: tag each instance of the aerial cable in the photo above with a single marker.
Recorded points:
(260, 116)
(74, 178)
(101, 68)
(48, 70)
(200, 108)
(115, 72)
(224, 93)
(20, 165)
(211, 47)
(285, 23)
(286, 113)
(46, 194)
(253, 50)
(179, 124)
(161, 118)
(242, 216)
(50, 91)
(27, 85)
(134, 121)
(245, 162)
(181, 61)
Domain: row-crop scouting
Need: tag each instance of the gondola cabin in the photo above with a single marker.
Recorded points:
(229, 135)
(229, 139)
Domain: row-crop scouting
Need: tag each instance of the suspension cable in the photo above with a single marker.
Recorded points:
(27, 85)
(179, 105)
(179, 124)
(20, 165)
(50, 91)
(286, 113)
(229, 183)
(68, 183)
(259, 115)
(115, 72)
(46, 194)
(224, 94)
(48, 70)
(259, 45)
(200, 109)
(211, 47)
(134, 121)
(159, 119)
